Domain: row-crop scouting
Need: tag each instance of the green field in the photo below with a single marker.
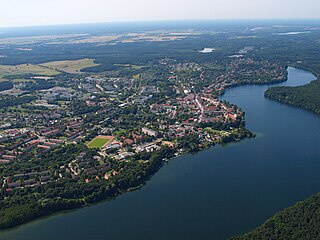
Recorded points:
(99, 142)
(48, 69)
(24, 69)
(70, 66)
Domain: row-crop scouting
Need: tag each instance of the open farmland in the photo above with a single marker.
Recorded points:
(23, 69)
(70, 66)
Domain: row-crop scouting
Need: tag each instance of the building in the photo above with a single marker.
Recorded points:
(149, 132)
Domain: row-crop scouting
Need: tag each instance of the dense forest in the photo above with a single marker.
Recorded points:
(5, 85)
(301, 221)
(10, 101)
(307, 96)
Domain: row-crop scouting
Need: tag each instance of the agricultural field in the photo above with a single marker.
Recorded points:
(48, 39)
(100, 141)
(24, 69)
(70, 66)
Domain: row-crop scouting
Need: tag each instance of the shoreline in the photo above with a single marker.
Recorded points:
(118, 192)
(81, 203)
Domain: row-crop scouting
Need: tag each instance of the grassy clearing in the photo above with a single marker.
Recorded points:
(23, 69)
(70, 66)
(135, 67)
(100, 141)
(210, 130)
(20, 80)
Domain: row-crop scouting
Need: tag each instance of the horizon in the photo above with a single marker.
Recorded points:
(173, 21)
(19, 13)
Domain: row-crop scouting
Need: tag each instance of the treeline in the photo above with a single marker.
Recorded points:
(307, 96)
(38, 85)
(190, 142)
(80, 107)
(11, 101)
(302, 221)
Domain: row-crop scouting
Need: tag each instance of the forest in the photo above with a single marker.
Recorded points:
(300, 221)
(5, 85)
(307, 96)
(10, 101)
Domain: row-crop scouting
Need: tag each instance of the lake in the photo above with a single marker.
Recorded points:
(207, 50)
(217, 193)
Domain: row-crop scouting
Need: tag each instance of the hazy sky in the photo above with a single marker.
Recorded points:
(47, 12)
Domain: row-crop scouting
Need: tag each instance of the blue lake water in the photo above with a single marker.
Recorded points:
(215, 194)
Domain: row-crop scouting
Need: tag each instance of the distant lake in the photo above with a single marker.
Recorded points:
(207, 50)
(217, 193)
(293, 33)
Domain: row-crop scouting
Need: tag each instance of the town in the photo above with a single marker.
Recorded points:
(117, 118)
(71, 137)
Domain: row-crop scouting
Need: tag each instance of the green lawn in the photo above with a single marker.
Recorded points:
(98, 143)
(70, 66)
(23, 69)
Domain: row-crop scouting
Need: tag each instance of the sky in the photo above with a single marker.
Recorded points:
(55, 12)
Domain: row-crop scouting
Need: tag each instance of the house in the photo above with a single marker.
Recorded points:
(149, 132)
(128, 142)
(50, 144)
(114, 145)
(29, 182)
(9, 157)
(137, 138)
(4, 161)
(44, 147)
(44, 179)
(212, 108)
(52, 132)
(14, 185)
